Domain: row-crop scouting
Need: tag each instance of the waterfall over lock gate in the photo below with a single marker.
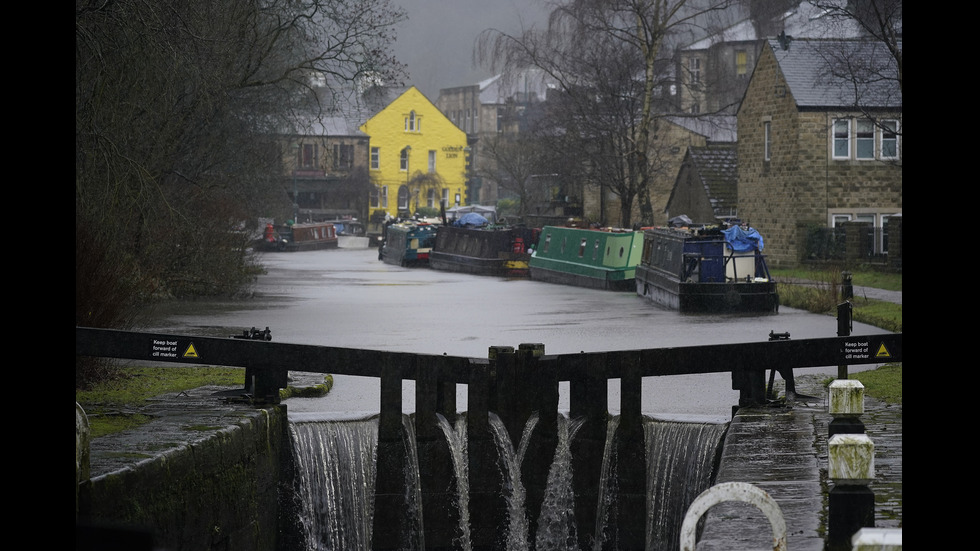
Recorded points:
(335, 470)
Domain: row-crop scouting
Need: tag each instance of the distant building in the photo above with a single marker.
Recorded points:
(326, 169)
(417, 159)
(498, 105)
(714, 71)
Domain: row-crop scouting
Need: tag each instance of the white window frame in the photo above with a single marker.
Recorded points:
(375, 158)
(432, 161)
(892, 128)
(862, 140)
(836, 139)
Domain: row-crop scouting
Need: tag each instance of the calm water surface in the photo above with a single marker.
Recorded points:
(347, 298)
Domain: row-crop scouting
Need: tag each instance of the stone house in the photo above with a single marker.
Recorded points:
(326, 159)
(814, 150)
(706, 190)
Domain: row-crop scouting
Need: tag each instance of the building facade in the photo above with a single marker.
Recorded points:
(810, 152)
(417, 159)
(326, 161)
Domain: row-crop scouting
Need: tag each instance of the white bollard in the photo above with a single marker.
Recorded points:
(877, 539)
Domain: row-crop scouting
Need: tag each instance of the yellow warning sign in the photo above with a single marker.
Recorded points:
(882, 352)
(191, 352)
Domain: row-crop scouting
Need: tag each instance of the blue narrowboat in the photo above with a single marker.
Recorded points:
(407, 243)
(706, 270)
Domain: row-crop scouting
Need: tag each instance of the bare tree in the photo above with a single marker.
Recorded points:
(880, 20)
(512, 161)
(610, 61)
(177, 105)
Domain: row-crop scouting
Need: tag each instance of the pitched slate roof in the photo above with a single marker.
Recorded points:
(717, 168)
(715, 128)
(814, 71)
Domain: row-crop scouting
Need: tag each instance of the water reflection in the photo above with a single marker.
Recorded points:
(347, 298)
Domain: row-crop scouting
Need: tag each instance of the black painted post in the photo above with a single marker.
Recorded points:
(631, 463)
(538, 394)
(844, 327)
(487, 505)
(589, 400)
(390, 520)
(440, 516)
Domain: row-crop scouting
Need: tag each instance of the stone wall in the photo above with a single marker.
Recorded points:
(217, 493)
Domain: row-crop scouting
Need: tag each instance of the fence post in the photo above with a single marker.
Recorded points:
(631, 458)
(389, 488)
(851, 504)
(589, 399)
(487, 505)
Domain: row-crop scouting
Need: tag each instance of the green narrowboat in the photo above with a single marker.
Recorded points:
(594, 258)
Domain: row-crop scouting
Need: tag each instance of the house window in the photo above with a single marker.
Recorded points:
(889, 139)
(865, 139)
(768, 140)
(343, 156)
(842, 139)
(445, 196)
(307, 155)
(430, 198)
(384, 196)
(410, 122)
(375, 158)
(432, 161)
(403, 198)
(404, 159)
(695, 67)
(741, 63)
(374, 198)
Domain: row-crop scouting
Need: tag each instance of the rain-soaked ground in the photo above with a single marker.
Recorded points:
(347, 298)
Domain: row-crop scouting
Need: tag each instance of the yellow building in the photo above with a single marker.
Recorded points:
(418, 158)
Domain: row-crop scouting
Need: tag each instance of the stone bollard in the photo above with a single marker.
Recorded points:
(851, 467)
(83, 438)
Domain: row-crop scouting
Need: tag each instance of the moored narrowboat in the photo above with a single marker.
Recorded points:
(407, 243)
(299, 237)
(483, 250)
(706, 270)
(594, 258)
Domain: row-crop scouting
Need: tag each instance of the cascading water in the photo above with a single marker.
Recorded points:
(335, 464)
(335, 474)
(511, 459)
(680, 465)
(556, 523)
(456, 438)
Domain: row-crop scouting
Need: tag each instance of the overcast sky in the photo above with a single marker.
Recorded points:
(436, 42)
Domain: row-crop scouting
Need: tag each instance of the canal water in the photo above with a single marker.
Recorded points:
(347, 298)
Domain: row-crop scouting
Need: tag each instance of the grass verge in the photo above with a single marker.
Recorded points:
(115, 405)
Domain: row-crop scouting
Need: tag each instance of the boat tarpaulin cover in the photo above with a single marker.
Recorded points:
(743, 239)
(471, 219)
